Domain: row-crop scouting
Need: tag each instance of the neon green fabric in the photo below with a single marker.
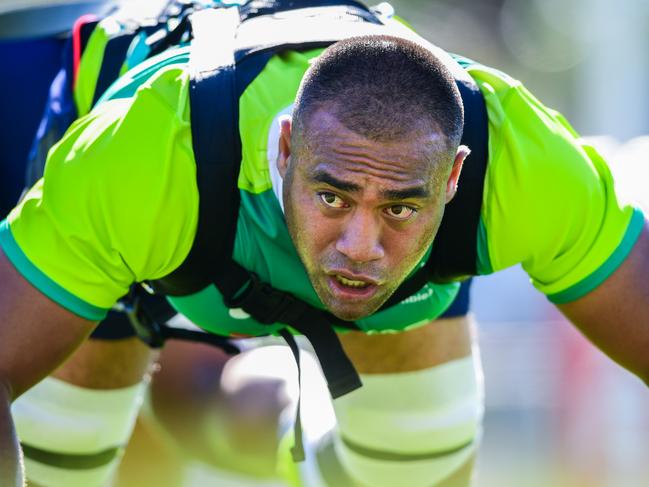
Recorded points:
(549, 201)
(50, 288)
(262, 243)
(127, 85)
(90, 63)
(104, 242)
(119, 200)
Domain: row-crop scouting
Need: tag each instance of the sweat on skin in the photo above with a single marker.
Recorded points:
(362, 213)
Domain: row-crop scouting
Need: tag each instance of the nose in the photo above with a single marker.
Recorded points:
(360, 238)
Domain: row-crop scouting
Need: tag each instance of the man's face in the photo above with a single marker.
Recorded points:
(361, 214)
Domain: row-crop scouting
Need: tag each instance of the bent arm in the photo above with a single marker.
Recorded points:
(615, 315)
(36, 335)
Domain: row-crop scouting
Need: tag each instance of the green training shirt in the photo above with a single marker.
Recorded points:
(119, 203)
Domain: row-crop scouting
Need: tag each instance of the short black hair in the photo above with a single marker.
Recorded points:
(383, 88)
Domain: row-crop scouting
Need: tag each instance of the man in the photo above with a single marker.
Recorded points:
(364, 169)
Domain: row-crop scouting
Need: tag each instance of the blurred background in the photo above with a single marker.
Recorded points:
(559, 413)
(586, 58)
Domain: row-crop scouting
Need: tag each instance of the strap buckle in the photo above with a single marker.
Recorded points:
(147, 329)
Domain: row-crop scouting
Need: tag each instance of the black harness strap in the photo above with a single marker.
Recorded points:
(268, 305)
(454, 251)
(114, 55)
(453, 256)
(213, 74)
(218, 153)
(217, 147)
(148, 316)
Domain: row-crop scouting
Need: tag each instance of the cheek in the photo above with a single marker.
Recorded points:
(407, 248)
(312, 230)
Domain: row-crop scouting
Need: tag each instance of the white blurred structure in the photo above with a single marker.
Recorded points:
(614, 78)
(629, 162)
(30, 19)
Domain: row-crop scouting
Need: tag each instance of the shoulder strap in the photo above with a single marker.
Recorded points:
(257, 39)
(218, 152)
(241, 55)
(214, 72)
(454, 253)
(218, 158)
(113, 59)
(217, 149)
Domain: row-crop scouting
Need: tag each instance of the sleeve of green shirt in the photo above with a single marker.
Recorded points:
(118, 203)
(549, 201)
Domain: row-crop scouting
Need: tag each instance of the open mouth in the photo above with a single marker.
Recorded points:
(351, 283)
(347, 288)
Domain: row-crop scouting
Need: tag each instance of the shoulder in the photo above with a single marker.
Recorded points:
(549, 202)
(119, 198)
(270, 94)
(126, 139)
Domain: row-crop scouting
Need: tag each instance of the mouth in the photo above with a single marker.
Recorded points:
(347, 287)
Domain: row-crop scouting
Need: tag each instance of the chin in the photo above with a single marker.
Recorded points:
(348, 315)
(355, 313)
(348, 310)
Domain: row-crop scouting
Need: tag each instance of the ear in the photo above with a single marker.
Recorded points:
(284, 152)
(451, 185)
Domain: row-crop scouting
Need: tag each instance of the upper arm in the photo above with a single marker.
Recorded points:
(550, 202)
(615, 315)
(117, 205)
(36, 334)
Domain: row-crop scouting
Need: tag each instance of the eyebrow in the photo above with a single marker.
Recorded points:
(405, 193)
(321, 176)
(326, 178)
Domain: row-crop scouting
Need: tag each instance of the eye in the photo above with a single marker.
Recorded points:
(331, 200)
(400, 212)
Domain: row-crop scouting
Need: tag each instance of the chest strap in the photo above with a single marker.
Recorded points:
(218, 43)
(220, 65)
(217, 149)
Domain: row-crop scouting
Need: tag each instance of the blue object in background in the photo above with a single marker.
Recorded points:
(28, 66)
(32, 37)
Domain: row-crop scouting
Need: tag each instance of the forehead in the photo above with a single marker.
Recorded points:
(327, 145)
